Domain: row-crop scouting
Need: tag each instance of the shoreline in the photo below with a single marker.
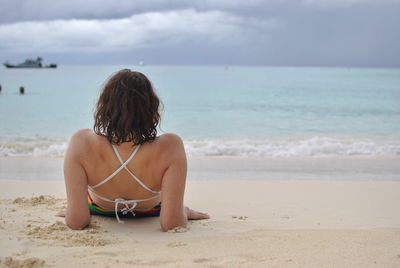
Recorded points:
(218, 168)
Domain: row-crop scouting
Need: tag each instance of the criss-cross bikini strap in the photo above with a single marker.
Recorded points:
(117, 153)
(123, 165)
(131, 173)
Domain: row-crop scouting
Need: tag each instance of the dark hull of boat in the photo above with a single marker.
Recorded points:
(31, 67)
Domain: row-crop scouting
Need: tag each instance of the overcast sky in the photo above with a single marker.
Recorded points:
(362, 33)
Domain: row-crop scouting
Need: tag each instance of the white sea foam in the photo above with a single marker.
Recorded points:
(315, 146)
(32, 147)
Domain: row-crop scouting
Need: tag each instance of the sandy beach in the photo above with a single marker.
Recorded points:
(254, 223)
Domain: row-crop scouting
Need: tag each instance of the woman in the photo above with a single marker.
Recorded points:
(122, 168)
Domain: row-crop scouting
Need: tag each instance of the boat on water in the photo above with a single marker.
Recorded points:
(31, 63)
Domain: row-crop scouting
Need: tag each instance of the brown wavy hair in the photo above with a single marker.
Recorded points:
(127, 109)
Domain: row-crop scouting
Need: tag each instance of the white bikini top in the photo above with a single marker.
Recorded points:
(129, 204)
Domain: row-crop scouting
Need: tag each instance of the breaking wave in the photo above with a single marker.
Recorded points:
(315, 146)
(33, 147)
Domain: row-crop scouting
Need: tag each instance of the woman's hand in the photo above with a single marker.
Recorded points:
(195, 215)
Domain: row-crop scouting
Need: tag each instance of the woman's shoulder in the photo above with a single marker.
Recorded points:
(168, 144)
(82, 132)
(82, 135)
(169, 139)
(86, 142)
(83, 139)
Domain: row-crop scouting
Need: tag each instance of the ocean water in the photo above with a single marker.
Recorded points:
(235, 111)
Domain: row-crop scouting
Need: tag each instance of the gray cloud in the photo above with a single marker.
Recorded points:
(137, 31)
(25, 10)
(280, 32)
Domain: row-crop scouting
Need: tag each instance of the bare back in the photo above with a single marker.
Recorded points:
(99, 161)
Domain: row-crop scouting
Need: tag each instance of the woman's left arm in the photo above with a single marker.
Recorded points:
(77, 215)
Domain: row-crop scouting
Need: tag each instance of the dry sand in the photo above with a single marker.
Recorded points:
(253, 224)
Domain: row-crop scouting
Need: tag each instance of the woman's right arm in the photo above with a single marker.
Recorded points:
(173, 212)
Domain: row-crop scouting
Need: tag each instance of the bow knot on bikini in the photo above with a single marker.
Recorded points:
(126, 209)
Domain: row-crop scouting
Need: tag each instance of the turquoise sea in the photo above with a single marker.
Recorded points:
(235, 110)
